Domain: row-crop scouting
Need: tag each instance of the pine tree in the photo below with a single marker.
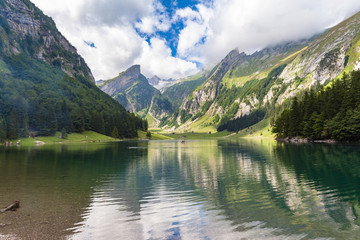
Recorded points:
(115, 133)
(13, 128)
(3, 129)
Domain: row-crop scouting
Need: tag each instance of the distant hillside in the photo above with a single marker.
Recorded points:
(266, 80)
(131, 89)
(181, 89)
(45, 86)
(159, 83)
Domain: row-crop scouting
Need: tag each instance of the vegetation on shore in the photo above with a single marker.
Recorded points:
(47, 87)
(332, 113)
(153, 136)
(198, 136)
(84, 137)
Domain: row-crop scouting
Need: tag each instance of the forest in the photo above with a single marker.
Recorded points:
(38, 100)
(242, 122)
(331, 113)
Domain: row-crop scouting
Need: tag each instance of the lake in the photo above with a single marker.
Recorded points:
(208, 189)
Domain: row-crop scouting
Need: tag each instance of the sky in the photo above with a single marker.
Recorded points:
(174, 39)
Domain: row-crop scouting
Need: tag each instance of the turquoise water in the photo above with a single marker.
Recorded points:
(213, 189)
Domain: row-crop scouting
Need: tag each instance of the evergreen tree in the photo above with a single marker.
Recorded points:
(13, 128)
(115, 133)
(333, 112)
(3, 129)
(63, 133)
(148, 134)
(295, 119)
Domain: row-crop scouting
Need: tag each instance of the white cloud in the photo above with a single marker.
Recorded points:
(156, 57)
(255, 24)
(109, 24)
(197, 27)
(157, 20)
(224, 25)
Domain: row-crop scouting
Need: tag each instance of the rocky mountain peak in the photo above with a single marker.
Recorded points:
(29, 32)
(124, 81)
(133, 72)
(154, 80)
(131, 89)
(232, 55)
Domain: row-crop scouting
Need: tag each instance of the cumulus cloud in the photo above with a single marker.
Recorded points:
(255, 24)
(156, 57)
(111, 26)
(127, 32)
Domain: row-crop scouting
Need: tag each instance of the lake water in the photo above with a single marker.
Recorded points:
(213, 189)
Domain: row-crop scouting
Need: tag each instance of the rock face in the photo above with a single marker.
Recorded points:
(210, 87)
(28, 31)
(325, 58)
(131, 89)
(241, 83)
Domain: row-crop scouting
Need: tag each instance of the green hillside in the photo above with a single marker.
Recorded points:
(45, 88)
(267, 80)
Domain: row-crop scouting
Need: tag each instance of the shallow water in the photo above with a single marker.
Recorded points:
(216, 189)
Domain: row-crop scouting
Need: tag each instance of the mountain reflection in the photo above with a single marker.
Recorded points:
(228, 189)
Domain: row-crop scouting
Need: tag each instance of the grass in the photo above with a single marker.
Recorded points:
(198, 136)
(259, 130)
(84, 137)
(154, 136)
(203, 124)
(151, 121)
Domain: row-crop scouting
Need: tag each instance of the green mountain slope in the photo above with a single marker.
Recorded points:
(266, 80)
(45, 86)
(131, 89)
(181, 89)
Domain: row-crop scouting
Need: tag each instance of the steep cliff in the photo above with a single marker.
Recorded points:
(325, 58)
(26, 30)
(131, 89)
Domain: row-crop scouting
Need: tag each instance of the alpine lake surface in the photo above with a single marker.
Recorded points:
(200, 189)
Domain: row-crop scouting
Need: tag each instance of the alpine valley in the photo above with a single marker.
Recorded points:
(243, 89)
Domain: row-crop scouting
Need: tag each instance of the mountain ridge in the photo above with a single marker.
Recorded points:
(268, 78)
(131, 89)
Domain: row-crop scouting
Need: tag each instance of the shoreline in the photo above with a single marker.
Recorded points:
(87, 137)
(298, 140)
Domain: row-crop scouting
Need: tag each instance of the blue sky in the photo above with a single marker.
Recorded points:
(174, 39)
(171, 35)
(169, 10)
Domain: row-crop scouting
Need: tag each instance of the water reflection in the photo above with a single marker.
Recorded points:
(238, 189)
(229, 190)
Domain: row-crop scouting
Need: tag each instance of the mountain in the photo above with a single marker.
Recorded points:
(179, 90)
(265, 81)
(27, 30)
(131, 89)
(45, 85)
(159, 83)
(221, 89)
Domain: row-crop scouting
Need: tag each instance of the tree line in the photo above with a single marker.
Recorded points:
(243, 122)
(332, 113)
(38, 100)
